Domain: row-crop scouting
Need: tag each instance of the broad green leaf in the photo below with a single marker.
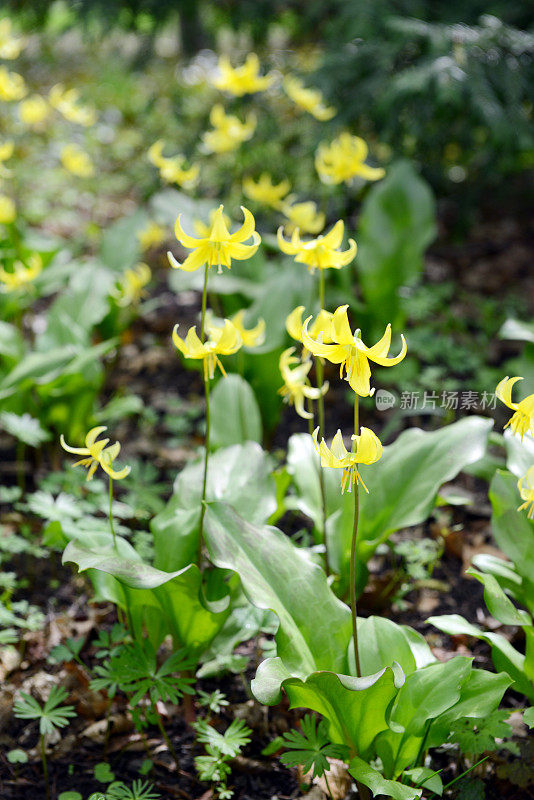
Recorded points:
(528, 717)
(11, 341)
(303, 465)
(513, 531)
(426, 778)
(120, 248)
(382, 642)
(516, 329)
(235, 416)
(396, 224)
(315, 627)
(371, 777)
(25, 428)
(499, 605)
(519, 454)
(39, 367)
(403, 486)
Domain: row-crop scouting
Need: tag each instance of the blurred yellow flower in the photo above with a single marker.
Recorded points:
(8, 210)
(265, 191)
(526, 490)
(66, 102)
(229, 132)
(322, 325)
(6, 151)
(203, 230)
(296, 384)
(76, 160)
(523, 420)
(132, 285)
(311, 100)
(34, 110)
(220, 246)
(322, 252)
(21, 274)
(350, 352)
(251, 337)
(343, 159)
(303, 216)
(12, 85)
(97, 454)
(242, 80)
(221, 341)
(151, 236)
(172, 168)
(10, 46)
(368, 450)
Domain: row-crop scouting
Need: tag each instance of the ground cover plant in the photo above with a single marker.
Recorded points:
(260, 532)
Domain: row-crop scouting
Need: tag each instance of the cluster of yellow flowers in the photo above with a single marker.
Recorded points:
(172, 168)
(521, 423)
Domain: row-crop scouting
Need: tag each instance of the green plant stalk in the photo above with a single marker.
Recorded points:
(319, 372)
(458, 777)
(353, 607)
(207, 440)
(45, 765)
(111, 512)
(163, 732)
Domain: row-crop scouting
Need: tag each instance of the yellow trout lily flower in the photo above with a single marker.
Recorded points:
(34, 111)
(251, 337)
(322, 252)
(343, 159)
(97, 454)
(296, 384)
(22, 274)
(265, 191)
(311, 100)
(228, 131)
(10, 46)
(66, 102)
(220, 246)
(321, 326)
(221, 341)
(76, 161)
(8, 210)
(151, 236)
(368, 450)
(523, 420)
(171, 169)
(526, 490)
(242, 80)
(12, 85)
(132, 286)
(352, 355)
(303, 216)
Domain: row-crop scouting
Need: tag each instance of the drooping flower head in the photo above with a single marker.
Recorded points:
(343, 159)
(303, 216)
(34, 111)
(251, 337)
(76, 161)
(320, 253)
(296, 383)
(11, 46)
(352, 355)
(311, 100)
(131, 288)
(21, 275)
(12, 85)
(66, 101)
(228, 131)
(265, 191)
(171, 168)
(526, 490)
(151, 236)
(97, 453)
(221, 341)
(220, 246)
(242, 80)
(320, 327)
(522, 420)
(368, 449)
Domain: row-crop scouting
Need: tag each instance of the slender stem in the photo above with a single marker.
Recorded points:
(353, 556)
(204, 302)
(111, 512)
(163, 732)
(319, 373)
(205, 478)
(328, 787)
(45, 766)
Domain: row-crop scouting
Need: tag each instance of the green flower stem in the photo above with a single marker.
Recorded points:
(353, 607)
(204, 303)
(45, 765)
(163, 732)
(205, 478)
(319, 372)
